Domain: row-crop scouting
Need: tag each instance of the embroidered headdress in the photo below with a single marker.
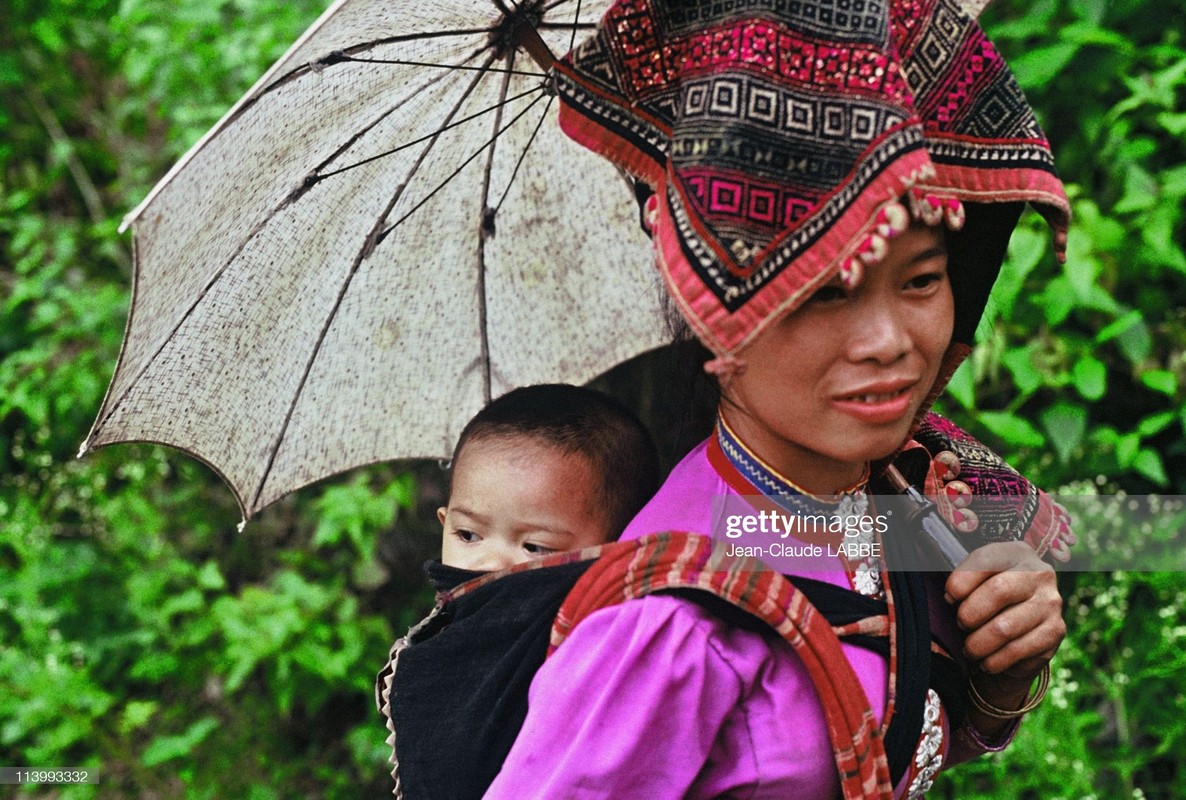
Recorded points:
(787, 140)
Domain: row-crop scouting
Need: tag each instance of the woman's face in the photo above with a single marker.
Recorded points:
(837, 383)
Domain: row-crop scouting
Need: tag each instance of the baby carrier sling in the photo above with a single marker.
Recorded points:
(455, 689)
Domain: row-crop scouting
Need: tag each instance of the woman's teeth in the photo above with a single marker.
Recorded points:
(875, 398)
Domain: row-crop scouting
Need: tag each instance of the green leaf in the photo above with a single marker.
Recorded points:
(1174, 123)
(1082, 265)
(1140, 192)
(1158, 231)
(1173, 182)
(1104, 436)
(1099, 299)
(1090, 377)
(1041, 65)
(1127, 447)
(1013, 430)
(1117, 327)
(962, 386)
(1136, 342)
(1020, 363)
(1065, 424)
(1091, 11)
(1148, 463)
(167, 748)
(210, 577)
(402, 491)
(1058, 300)
(1161, 380)
(1155, 424)
(186, 602)
(49, 36)
(1026, 248)
(136, 714)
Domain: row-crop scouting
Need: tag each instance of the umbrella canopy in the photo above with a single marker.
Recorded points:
(385, 232)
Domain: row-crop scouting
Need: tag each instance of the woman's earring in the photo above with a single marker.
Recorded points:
(725, 368)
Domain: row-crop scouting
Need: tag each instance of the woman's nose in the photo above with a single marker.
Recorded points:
(882, 334)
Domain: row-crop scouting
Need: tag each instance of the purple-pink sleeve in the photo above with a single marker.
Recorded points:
(967, 743)
(629, 706)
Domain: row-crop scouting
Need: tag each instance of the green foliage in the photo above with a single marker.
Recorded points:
(1112, 725)
(1081, 367)
(138, 634)
(1080, 373)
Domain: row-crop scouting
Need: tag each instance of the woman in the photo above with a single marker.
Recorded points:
(659, 697)
(806, 160)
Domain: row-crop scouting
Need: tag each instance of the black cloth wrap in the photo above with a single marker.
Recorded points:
(459, 693)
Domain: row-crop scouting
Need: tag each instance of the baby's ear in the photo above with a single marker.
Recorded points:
(441, 515)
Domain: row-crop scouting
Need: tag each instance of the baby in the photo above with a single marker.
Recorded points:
(544, 469)
(540, 470)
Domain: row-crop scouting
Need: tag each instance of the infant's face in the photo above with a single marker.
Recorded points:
(515, 499)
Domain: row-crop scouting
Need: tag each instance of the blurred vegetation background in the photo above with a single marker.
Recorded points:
(140, 634)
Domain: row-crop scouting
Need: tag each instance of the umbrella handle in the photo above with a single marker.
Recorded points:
(937, 537)
(528, 38)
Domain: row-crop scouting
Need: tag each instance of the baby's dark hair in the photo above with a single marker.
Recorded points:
(578, 421)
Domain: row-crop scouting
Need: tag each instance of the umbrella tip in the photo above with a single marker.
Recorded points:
(84, 448)
(242, 524)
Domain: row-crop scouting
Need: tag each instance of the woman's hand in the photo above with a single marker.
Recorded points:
(1007, 603)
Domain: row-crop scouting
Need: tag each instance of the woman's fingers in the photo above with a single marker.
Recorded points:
(1033, 590)
(1015, 643)
(1007, 601)
(990, 561)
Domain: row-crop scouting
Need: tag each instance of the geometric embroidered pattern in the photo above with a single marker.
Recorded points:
(773, 133)
(855, 20)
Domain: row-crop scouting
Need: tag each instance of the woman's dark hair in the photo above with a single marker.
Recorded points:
(580, 421)
(699, 394)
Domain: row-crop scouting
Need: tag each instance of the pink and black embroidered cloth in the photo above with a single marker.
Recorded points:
(777, 134)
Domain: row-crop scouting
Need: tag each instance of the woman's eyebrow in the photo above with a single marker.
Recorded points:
(931, 252)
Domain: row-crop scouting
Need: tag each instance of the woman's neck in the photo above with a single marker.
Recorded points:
(804, 471)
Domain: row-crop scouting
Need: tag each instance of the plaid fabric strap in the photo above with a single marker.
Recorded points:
(681, 561)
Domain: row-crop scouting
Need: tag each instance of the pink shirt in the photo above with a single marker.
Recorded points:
(656, 698)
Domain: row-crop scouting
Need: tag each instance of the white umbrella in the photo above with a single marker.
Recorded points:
(385, 232)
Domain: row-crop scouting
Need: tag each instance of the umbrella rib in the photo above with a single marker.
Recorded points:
(555, 4)
(574, 26)
(523, 155)
(429, 64)
(320, 176)
(263, 87)
(572, 41)
(487, 219)
(340, 55)
(455, 172)
(367, 248)
(316, 175)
